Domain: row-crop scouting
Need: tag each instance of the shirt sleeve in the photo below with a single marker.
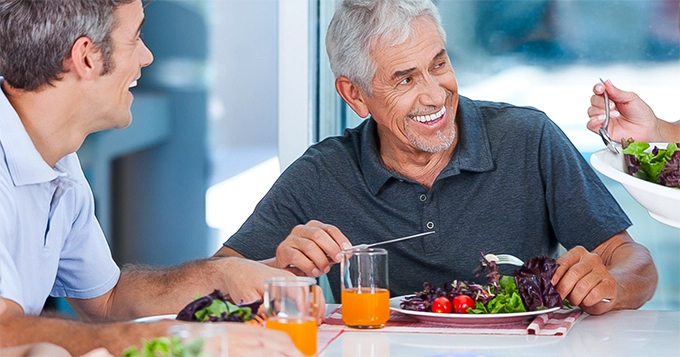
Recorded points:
(288, 203)
(86, 267)
(10, 284)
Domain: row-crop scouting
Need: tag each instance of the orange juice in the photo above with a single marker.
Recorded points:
(365, 309)
(301, 330)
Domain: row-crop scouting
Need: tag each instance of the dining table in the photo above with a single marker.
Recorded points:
(616, 333)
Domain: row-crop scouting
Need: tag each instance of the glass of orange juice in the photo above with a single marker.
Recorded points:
(290, 305)
(365, 293)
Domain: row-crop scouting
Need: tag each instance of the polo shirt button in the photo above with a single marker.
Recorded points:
(430, 225)
(423, 198)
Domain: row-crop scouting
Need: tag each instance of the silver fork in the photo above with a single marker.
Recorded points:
(604, 133)
(511, 259)
(504, 259)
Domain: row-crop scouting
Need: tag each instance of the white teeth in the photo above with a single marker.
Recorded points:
(431, 117)
(133, 84)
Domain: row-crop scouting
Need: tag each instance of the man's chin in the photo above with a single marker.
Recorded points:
(123, 123)
(441, 143)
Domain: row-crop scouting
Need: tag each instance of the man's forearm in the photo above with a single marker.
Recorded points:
(144, 291)
(76, 337)
(633, 268)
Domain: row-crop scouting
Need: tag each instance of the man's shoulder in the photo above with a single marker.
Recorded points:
(347, 145)
(508, 109)
(332, 156)
(508, 117)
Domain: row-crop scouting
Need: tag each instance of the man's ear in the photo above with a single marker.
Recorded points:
(353, 95)
(83, 59)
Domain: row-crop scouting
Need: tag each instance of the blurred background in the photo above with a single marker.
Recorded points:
(239, 88)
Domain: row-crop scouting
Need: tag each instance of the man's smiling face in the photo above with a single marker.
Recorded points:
(130, 54)
(415, 93)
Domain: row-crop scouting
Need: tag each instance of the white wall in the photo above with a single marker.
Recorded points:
(243, 72)
(294, 82)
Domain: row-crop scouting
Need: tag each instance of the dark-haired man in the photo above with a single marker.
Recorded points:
(68, 66)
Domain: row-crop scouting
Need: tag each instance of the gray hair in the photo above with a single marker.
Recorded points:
(358, 24)
(36, 36)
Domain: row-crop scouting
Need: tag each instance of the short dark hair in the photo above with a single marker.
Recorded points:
(37, 35)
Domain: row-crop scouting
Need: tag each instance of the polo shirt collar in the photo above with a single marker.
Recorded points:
(26, 165)
(473, 150)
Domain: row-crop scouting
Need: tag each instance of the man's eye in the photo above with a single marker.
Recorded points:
(406, 80)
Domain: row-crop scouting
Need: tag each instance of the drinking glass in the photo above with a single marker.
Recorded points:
(365, 293)
(208, 338)
(290, 303)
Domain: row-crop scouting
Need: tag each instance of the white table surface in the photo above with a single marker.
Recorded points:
(617, 333)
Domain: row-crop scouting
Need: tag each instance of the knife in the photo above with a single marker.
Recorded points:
(364, 246)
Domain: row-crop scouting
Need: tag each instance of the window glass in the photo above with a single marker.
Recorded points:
(549, 54)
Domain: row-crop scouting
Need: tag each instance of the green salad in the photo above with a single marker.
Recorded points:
(659, 165)
(167, 347)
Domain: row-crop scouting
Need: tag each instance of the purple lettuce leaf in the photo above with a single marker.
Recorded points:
(493, 276)
(422, 300)
(632, 163)
(670, 175)
(534, 285)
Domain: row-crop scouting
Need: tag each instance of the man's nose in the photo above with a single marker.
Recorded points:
(146, 57)
(432, 92)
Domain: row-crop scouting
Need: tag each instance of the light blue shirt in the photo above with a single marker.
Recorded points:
(50, 240)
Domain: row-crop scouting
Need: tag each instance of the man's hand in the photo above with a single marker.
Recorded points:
(244, 279)
(583, 279)
(311, 249)
(245, 282)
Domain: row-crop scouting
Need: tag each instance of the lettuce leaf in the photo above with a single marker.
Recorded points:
(507, 299)
(166, 347)
(215, 307)
(660, 166)
(534, 284)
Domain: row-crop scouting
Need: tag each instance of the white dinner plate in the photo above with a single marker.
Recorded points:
(155, 318)
(661, 202)
(466, 319)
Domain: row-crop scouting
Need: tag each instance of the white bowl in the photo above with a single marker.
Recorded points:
(661, 202)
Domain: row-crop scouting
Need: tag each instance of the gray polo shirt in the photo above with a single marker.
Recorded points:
(515, 184)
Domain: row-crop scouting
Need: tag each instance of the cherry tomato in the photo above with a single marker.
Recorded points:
(461, 303)
(441, 304)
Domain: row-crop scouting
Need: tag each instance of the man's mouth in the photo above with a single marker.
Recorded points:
(430, 117)
(133, 84)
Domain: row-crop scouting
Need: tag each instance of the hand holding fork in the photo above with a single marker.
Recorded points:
(513, 260)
